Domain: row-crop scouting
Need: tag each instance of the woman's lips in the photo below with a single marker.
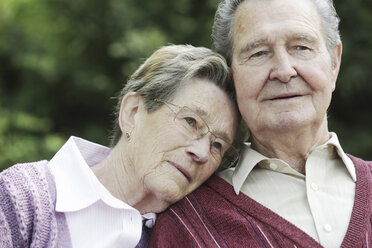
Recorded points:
(182, 170)
(284, 96)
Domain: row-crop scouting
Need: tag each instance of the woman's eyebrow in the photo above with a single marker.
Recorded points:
(205, 116)
(222, 135)
(200, 111)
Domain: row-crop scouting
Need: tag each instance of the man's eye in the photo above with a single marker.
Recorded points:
(259, 54)
(301, 48)
(191, 121)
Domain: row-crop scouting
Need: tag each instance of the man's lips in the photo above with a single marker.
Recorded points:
(180, 169)
(284, 97)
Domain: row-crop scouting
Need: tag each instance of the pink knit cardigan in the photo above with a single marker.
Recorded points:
(27, 203)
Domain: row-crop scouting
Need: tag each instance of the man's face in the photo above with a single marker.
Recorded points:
(283, 73)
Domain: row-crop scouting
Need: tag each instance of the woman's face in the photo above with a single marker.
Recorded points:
(168, 158)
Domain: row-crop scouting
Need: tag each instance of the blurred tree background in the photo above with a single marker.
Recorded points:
(62, 61)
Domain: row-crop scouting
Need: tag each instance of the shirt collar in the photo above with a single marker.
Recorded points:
(76, 185)
(149, 219)
(333, 141)
(250, 158)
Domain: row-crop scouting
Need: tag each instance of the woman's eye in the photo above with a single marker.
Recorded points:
(217, 145)
(191, 121)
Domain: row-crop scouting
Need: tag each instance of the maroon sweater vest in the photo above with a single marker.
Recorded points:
(214, 216)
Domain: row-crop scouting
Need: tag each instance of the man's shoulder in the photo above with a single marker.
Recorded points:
(211, 198)
(214, 190)
(360, 162)
(217, 185)
(193, 220)
(357, 159)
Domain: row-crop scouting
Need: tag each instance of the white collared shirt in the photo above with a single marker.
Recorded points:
(319, 203)
(94, 217)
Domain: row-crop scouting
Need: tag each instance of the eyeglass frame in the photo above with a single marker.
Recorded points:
(230, 150)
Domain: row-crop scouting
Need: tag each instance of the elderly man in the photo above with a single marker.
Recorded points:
(294, 186)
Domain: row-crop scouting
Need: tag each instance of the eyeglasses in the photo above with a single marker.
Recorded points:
(193, 126)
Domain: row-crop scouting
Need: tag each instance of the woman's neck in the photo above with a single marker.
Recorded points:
(118, 175)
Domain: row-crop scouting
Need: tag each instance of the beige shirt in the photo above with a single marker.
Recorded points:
(319, 203)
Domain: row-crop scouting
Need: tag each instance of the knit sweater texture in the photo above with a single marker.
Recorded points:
(214, 216)
(27, 203)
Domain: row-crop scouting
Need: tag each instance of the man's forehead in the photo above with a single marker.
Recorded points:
(250, 9)
(253, 22)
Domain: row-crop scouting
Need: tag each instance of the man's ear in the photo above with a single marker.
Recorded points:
(128, 110)
(337, 53)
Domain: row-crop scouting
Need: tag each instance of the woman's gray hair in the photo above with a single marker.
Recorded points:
(167, 69)
(222, 30)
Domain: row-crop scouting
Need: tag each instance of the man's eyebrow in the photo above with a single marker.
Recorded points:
(257, 43)
(304, 37)
(204, 115)
(252, 45)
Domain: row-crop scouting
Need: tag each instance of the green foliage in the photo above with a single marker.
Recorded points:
(351, 112)
(62, 61)
(24, 137)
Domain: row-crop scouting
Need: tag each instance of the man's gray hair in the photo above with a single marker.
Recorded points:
(222, 30)
(167, 69)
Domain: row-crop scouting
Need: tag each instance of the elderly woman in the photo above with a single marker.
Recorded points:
(176, 122)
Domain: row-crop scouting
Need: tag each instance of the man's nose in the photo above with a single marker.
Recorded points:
(199, 150)
(283, 67)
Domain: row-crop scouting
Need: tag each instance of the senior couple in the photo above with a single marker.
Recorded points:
(178, 120)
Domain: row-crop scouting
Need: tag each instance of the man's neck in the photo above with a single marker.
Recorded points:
(293, 147)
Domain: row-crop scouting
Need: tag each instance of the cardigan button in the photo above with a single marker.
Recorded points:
(314, 186)
(273, 166)
(327, 228)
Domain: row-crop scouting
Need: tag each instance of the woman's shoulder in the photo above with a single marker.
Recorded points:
(27, 195)
(25, 177)
(26, 184)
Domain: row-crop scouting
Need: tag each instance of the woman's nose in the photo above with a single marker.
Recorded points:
(199, 150)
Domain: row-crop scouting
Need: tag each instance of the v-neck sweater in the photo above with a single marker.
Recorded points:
(214, 216)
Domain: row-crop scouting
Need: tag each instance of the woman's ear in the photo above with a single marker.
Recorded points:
(128, 110)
